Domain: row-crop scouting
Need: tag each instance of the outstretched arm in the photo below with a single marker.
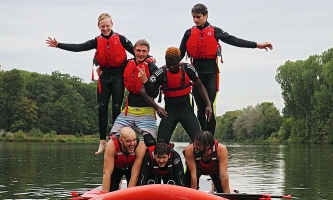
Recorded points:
(89, 45)
(222, 156)
(108, 166)
(232, 40)
(139, 154)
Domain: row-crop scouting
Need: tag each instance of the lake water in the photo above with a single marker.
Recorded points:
(52, 170)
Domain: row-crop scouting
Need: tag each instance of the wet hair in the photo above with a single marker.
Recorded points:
(142, 42)
(172, 56)
(199, 8)
(204, 138)
(161, 148)
(104, 16)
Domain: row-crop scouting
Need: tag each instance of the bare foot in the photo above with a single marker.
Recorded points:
(102, 145)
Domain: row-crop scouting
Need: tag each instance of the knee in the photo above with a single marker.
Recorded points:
(102, 109)
(149, 140)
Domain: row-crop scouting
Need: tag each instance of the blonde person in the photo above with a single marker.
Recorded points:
(110, 56)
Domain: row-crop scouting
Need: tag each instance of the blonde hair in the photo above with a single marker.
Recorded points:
(104, 16)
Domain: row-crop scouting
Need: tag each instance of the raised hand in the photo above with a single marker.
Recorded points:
(142, 74)
(52, 42)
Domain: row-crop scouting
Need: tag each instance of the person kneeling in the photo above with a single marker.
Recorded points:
(123, 156)
(161, 162)
(206, 156)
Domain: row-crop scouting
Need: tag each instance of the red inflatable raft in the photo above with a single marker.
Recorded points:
(150, 192)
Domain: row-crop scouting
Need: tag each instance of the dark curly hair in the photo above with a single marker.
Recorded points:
(204, 138)
(162, 148)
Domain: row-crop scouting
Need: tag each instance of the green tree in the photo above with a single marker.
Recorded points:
(246, 123)
(224, 125)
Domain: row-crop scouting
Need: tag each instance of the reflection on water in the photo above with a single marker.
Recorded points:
(52, 170)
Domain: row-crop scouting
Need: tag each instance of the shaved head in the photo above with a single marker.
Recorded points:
(127, 132)
(128, 140)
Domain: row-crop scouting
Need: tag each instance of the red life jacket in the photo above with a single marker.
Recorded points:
(176, 85)
(212, 167)
(202, 43)
(122, 160)
(156, 172)
(110, 52)
(131, 80)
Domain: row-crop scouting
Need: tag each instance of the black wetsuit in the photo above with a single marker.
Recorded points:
(207, 70)
(111, 81)
(179, 109)
(177, 170)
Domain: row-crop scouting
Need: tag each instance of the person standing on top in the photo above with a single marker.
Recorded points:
(175, 80)
(206, 156)
(201, 42)
(161, 162)
(110, 55)
(123, 156)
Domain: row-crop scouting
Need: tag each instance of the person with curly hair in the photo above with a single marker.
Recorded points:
(206, 156)
(161, 162)
(175, 80)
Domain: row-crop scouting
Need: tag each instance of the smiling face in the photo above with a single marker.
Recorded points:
(128, 140)
(199, 19)
(105, 26)
(162, 159)
(141, 53)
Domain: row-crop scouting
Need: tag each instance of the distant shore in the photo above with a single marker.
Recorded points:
(49, 137)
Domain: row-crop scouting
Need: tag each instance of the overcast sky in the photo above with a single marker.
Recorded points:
(296, 28)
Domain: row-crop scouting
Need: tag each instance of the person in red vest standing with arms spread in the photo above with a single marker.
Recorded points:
(110, 55)
(201, 42)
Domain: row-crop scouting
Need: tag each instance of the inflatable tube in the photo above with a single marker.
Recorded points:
(157, 191)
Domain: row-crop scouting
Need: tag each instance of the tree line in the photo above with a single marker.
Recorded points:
(56, 102)
(307, 90)
(66, 105)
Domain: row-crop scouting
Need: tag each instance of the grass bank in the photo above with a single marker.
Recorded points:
(37, 136)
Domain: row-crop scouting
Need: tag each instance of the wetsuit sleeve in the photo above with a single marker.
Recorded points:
(182, 46)
(191, 72)
(232, 40)
(152, 86)
(126, 44)
(152, 67)
(178, 169)
(145, 170)
(89, 45)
